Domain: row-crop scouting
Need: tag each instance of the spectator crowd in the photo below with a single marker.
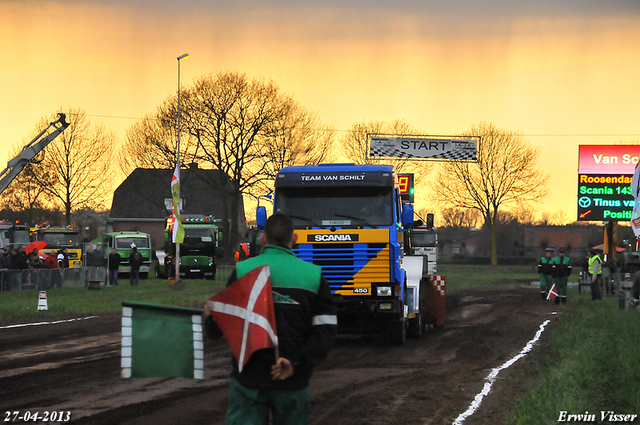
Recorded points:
(18, 259)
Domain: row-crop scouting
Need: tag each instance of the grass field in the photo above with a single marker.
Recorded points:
(593, 366)
(64, 302)
(592, 363)
(486, 277)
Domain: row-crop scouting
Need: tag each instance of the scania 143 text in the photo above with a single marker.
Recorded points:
(351, 221)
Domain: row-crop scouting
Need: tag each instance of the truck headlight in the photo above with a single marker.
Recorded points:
(383, 291)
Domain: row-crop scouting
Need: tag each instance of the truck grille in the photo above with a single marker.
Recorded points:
(348, 263)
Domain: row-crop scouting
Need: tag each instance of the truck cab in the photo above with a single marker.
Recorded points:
(198, 250)
(351, 221)
(424, 242)
(123, 242)
(13, 235)
(59, 237)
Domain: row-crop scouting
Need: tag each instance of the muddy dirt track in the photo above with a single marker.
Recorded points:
(75, 367)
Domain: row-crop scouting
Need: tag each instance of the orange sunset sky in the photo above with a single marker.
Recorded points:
(563, 73)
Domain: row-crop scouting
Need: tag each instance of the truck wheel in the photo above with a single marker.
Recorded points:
(212, 276)
(397, 332)
(415, 326)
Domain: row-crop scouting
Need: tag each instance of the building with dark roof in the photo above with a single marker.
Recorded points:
(573, 238)
(143, 201)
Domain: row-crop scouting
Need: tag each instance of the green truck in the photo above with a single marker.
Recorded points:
(197, 251)
(123, 242)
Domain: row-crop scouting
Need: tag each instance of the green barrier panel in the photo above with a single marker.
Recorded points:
(161, 341)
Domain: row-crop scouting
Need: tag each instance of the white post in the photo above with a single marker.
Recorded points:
(177, 259)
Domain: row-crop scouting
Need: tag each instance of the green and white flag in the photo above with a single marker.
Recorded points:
(161, 341)
(176, 222)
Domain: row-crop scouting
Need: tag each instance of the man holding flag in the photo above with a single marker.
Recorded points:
(275, 378)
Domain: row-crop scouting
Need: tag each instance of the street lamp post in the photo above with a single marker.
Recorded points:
(177, 259)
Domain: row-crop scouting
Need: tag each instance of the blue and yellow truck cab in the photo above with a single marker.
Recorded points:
(351, 221)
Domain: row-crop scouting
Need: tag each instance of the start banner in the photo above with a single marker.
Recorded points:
(424, 147)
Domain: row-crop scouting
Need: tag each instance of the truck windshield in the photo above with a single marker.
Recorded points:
(21, 237)
(4, 238)
(198, 234)
(336, 206)
(126, 241)
(60, 238)
(424, 239)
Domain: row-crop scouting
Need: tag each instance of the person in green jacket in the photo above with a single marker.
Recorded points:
(306, 323)
(545, 268)
(561, 271)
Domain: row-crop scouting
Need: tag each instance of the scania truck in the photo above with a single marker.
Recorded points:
(351, 221)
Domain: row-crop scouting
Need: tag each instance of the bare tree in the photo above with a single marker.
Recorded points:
(299, 138)
(505, 176)
(459, 217)
(153, 142)
(524, 215)
(355, 145)
(74, 170)
(560, 218)
(246, 129)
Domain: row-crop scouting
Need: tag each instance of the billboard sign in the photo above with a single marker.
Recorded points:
(423, 148)
(604, 181)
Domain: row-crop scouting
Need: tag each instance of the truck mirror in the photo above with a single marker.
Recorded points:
(429, 220)
(407, 216)
(261, 217)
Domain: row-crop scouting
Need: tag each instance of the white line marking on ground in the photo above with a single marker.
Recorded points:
(489, 380)
(22, 325)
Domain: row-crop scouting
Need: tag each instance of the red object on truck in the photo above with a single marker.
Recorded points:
(437, 298)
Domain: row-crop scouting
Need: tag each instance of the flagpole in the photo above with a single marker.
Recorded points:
(177, 207)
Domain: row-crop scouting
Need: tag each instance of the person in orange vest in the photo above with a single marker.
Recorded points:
(243, 252)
